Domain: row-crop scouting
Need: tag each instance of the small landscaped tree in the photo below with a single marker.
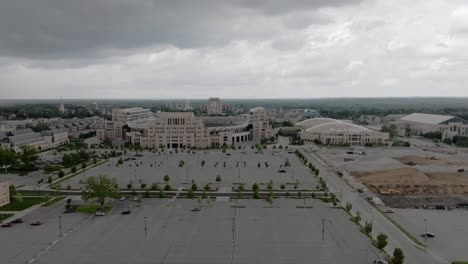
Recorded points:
(129, 186)
(381, 241)
(166, 178)
(167, 187)
(99, 188)
(154, 186)
(143, 186)
(73, 169)
(398, 256)
(255, 186)
(368, 227)
(207, 187)
(348, 207)
(194, 187)
(218, 178)
(258, 164)
(255, 194)
(83, 166)
(203, 163)
(181, 163)
(282, 186)
(61, 174)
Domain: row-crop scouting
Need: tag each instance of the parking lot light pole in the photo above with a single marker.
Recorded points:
(60, 226)
(146, 229)
(425, 224)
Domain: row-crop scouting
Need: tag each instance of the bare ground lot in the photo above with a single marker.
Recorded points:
(406, 177)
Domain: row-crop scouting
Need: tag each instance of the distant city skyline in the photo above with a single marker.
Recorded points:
(233, 49)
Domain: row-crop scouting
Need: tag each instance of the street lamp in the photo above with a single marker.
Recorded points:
(146, 229)
(60, 226)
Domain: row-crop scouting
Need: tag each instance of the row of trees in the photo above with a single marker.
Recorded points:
(71, 159)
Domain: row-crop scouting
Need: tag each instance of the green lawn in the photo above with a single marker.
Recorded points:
(19, 206)
(54, 201)
(4, 216)
(92, 208)
(460, 262)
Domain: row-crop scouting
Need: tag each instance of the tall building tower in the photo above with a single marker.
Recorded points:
(61, 107)
(214, 106)
(260, 124)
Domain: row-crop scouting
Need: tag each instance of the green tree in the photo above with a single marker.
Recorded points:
(7, 158)
(398, 256)
(181, 163)
(69, 187)
(368, 227)
(61, 174)
(348, 207)
(255, 187)
(83, 166)
(166, 178)
(207, 187)
(99, 188)
(381, 241)
(282, 186)
(194, 187)
(73, 169)
(256, 194)
(203, 163)
(154, 186)
(190, 194)
(28, 156)
(218, 178)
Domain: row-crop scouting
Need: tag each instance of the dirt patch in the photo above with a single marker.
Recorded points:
(411, 183)
(430, 160)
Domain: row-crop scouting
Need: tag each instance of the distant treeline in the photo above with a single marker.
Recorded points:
(342, 108)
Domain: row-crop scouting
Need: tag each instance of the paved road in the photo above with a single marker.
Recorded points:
(380, 224)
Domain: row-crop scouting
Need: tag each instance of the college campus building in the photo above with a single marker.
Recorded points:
(335, 132)
(214, 106)
(4, 193)
(38, 140)
(182, 129)
(419, 124)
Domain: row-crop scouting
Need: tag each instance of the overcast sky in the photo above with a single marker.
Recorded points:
(232, 49)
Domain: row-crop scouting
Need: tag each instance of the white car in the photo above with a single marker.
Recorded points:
(135, 198)
(100, 213)
(122, 198)
(380, 262)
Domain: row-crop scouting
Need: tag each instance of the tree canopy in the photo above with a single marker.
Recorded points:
(99, 188)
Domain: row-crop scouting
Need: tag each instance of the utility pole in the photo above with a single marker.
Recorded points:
(60, 226)
(323, 229)
(134, 173)
(146, 229)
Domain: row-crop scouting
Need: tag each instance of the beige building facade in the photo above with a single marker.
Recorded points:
(214, 106)
(4, 193)
(260, 124)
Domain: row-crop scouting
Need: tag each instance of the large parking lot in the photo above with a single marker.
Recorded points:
(216, 234)
(233, 167)
(449, 228)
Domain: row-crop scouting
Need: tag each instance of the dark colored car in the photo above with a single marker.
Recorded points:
(9, 224)
(36, 223)
(126, 212)
(196, 209)
(461, 170)
(428, 235)
(17, 221)
(281, 171)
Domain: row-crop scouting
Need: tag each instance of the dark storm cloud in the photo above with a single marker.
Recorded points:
(53, 29)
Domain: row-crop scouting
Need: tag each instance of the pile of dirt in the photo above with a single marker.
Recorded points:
(430, 160)
(411, 181)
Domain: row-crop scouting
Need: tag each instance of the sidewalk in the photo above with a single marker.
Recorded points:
(19, 214)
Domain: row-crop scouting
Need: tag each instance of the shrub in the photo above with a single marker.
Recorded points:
(49, 180)
(166, 178)
(368, 227)
(255, 194)
(194, 187)
(282, 186)
(143, 186)
(73, 169)
(61, 174)
(190, 194)
(154, 186)
(69, 187)
(161, 194)
(398, 256)
(129, 186)
(207, 187)
(348, 207)
(167, 187)
(381, 241)
(218, 178)
(255, 186)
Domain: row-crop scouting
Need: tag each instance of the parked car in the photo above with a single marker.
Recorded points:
(100, 213)
(9, 224)
(196, 209)
(380, 262)
(282, 171)
(122, 198)
(36, 223)
(17, 221)
(126, 212)
(461, 170)
(339, 173)
(389, 211)
(428, 235)
(135, 198)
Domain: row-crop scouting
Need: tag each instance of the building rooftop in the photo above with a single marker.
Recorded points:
(427, 118)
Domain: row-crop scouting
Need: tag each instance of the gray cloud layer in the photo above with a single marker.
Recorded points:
(235, 48)
(71, 28)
